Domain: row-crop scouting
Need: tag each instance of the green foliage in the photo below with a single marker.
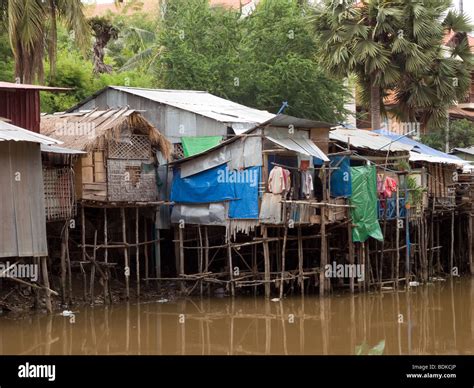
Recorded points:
(397, 46)
(260, 60)
(415, 192)
(461, 134)
(7, 65)
(75, 72)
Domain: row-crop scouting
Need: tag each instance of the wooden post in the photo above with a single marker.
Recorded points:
(44, 266)
(206, 252)
(231, 267)
(137, 240)
(300, 261)
(283, 257)
(63, 262)
(266, 259)
(68, 259)
(157, 248)
(397, 240)
(145, 251)
(125, 253)
(470, 242)
(181, 257)
(92, 281)
(351, 251)
(200, 259)
(451, 253)
(107, 296)
(324, 256)
(83, 240)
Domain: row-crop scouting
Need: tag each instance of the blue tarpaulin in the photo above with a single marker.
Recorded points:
(417, 146)
(246, 190)
(219, 184)
(341, 185)
(203, 187)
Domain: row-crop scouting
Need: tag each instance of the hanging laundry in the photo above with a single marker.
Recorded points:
(307, 183)
(386, 186)
(276, 181)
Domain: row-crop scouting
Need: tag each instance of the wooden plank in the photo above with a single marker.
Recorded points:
(87, 174)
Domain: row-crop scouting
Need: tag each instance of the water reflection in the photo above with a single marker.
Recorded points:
(433, 319)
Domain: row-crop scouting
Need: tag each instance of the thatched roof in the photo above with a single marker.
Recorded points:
(88, 130)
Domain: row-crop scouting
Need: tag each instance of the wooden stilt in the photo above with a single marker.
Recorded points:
(63, 263)
(145, 251)
(200, 259)
(181, 257)
(125, 253)
(231, 267)
(351, 252)
(92, 280)
(266, 257)
(324, 258)
(283, 259)
(44, 266)
(137, 254)
(206, 253)
(68, 260)
(470, 242)
(451, 253)
(157, 248)
(107, 296)
(300, 262)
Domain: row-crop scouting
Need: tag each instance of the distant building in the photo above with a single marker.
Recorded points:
(464, 153)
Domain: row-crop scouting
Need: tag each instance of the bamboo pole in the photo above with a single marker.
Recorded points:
(137, 255)
(324, 257)
(83, 240)
(157, 247)
(125, 253)
(351, 252)
(206, 253)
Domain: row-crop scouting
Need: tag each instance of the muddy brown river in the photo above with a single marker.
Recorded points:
(431, 319)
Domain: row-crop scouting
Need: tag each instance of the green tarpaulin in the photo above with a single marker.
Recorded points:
(364, 200)
(196, 145)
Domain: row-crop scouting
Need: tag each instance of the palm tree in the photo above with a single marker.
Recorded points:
(32, 28)
(396, 46)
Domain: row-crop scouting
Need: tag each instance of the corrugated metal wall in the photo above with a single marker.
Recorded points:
(22, 107)
(22, 208)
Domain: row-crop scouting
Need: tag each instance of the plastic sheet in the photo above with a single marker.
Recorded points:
(364, 200)
(341, 184)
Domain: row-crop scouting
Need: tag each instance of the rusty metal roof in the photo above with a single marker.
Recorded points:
(15, 86)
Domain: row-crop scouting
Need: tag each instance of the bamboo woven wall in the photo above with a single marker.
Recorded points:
(58, 194)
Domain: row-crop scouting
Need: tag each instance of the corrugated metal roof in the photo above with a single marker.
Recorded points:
(420, 151)
(302, 146)
(59, 150)
(13, 86)
(282, 120)
(367, 139)
(468, 150)
(10, 132)
(202, 103)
